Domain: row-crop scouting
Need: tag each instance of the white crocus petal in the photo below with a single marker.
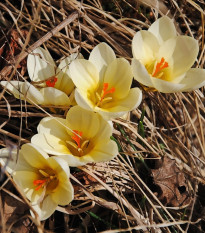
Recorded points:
(50, 144)
(14, 87)
(194, 79)
(104, 132)
(46, 208)
(64, 82)
(102, 152)
(53, 96)
(64, 192)
(82, 100)
(140, 73)
(166, 87)
(132, 101)
(8, 159)
(163, 29)
(119, 75)
(84, 75)
(72, 161)
(144, 46)
(40, 65)
(32, 94)
(101, 56)
(54, 126)
(180, 53)
(34, 156)
(76, 120)
(25, 181)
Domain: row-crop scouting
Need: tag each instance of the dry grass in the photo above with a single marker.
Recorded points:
(122, 195)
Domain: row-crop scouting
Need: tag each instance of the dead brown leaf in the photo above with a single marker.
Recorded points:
(11, 48)
(13, 214)
(172, 184)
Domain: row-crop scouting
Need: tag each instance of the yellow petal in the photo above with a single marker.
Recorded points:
(119, 75)
(51, 125)
(180, 53)
(46, 208)
(166, 87)
(50, 144)
(101, 56)
(140, 73)
(34, 156)
(53, 96)
(82, 100)
(64, 193)
(40, 65)
(72, 161)
(64, 82)
(101, 153)
(194, 79)
(144, 46)
(83, 120)
(163, 29)
(84, 74)
(25, 181)
(120, 107)
(104, 132)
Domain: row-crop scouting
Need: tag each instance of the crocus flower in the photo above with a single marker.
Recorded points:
(162, 60)
(50, 85)
(83, 137)
(103, 83)
(43, 179)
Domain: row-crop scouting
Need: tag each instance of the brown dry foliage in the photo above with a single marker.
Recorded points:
(119, 196)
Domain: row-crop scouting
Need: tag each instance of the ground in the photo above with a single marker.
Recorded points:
(156, 183)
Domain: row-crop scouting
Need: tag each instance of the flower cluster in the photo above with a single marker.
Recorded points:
(102, 89)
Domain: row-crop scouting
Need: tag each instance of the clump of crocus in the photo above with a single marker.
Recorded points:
(162, 60)
(83, 137)
(50, 85)
(103, 83)
(43, 179)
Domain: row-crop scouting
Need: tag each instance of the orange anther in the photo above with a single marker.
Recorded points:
(105, 91)
(160, 65)
(39, 184)
(51, 82)
(76, 137)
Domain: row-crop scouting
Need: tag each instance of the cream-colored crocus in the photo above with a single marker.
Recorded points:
(162, 60)
(83, 137)
(103, 83)
(50, 85)
(43, 179)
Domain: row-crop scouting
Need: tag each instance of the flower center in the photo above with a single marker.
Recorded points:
(79, 145)
(102, 97)
(158, 67)
(51, 81)
(46, 179)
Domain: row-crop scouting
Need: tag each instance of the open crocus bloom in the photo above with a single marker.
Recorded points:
(103, 83)
(162, 60)
(83, 137)
(43, 179)
(50, 85)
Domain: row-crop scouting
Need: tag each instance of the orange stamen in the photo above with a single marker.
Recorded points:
(51, 82)
(105, 91)
(39, 184)
(76, 137)
(160, 65)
